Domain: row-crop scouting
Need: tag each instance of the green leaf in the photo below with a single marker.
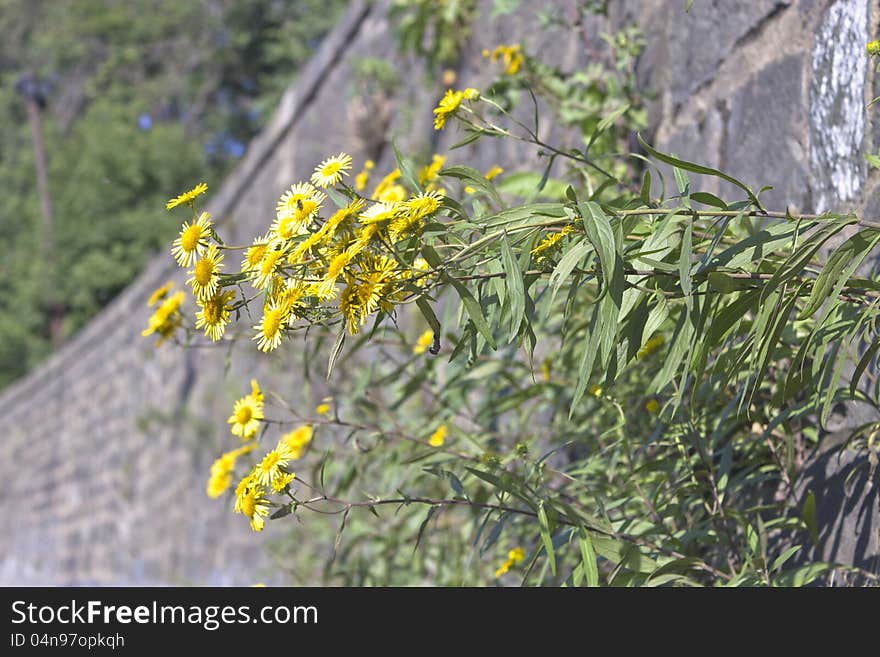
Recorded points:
(785, 556)
(588, 559)
(407, 172)
(601, 235)
(708, 199)
(808, 513)
(515, 288)
(337, 349)
(698, 168)
(474, 178)
(546, 537)
(567, 263)
(474, 311)
(840, 266)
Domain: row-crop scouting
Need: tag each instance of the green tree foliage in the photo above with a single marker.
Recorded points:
(125, 83)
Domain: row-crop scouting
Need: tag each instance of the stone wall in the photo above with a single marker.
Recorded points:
(107, 445)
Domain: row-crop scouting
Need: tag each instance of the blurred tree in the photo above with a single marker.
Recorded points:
(125, 83)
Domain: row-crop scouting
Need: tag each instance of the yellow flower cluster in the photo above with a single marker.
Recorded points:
(166, 316)
(515, 556)
(315, 262)
(511, 57)
(450, 102)
(549, 243)
(270, 474)
(222, 469)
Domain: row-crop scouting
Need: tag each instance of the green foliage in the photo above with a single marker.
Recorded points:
(625, 382)
(434, 31)
(125, 85)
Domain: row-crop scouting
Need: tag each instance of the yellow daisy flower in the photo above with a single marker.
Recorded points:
(361, 179)
(191, 242)
(271, 466)
(494, 172)
(214, 314)
(246, 416)
(331, 170)
(424, 342)
(254, 255)
(166, 318)
(206, 273)
(271, 326)
(448, 104)
(290, 200)
(297, 440)
(160, 293)
(221, 471)
(282, 481)
(439, 436)
(252, 503)
(187, 197)
(272, 261)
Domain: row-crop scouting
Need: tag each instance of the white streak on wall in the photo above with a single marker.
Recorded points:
(837, 103)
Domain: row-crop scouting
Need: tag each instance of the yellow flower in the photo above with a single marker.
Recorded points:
(388, 190)
(650, 346)
(282, 481)
(510, 56)
(362, 178)
(254, 255)
(471, 94)
(652, 406)
(595, 391)
(191, 242)
(448, 104)
(264, 273)
(250, 501)
(425, 340)
(256, 393)
(214, 314)
(297, 440)
(187, 197)
(331, 170)
(247, 414)
(873, 48)
(439, 436)
(290, 200)
(206, 273)
(270, 468)
(378, 212)
(221, 471)
(514, 556)
(430, 172)
(550, 242)
(166, 318)
(322, 409)
(270, 329)
(494, 172)
(160, 293)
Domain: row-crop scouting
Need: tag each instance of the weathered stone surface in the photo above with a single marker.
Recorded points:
(764, 142)
(846, 486)
(837, 96)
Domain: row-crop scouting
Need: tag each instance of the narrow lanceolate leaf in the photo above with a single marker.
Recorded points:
(698, 168)
(474, 311)
(546, 537)
(473, 178)
(588, 559)
(567, 263)
(840, 266)
(407, 171)
(337, 349)
(516, 294)
(864, 361)
(684, 264)
(600, 234)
